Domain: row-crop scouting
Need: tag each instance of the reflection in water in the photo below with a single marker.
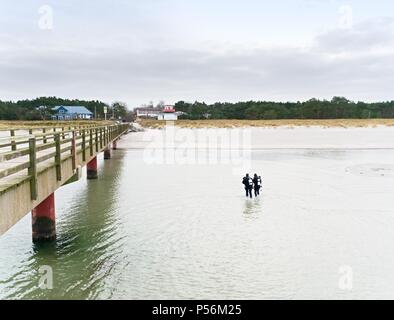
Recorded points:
(252, 207)
(86, 250)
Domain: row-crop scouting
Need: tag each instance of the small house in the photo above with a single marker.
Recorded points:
(71, 113)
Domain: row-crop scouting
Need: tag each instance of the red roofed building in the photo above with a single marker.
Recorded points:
(168, 113)
(168, 109)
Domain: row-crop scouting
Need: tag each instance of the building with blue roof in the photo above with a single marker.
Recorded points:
(71, 113)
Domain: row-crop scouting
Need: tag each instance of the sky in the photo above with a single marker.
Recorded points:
(207, 50)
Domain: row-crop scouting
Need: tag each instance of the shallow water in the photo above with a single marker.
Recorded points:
(163, 231)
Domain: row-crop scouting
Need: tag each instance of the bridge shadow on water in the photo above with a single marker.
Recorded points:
(88, 246)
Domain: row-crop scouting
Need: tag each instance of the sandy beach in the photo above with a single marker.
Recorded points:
(226, 123)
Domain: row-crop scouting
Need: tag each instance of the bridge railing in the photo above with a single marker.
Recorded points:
(21, 153)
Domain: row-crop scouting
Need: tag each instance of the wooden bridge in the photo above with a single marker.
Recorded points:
(36, 162)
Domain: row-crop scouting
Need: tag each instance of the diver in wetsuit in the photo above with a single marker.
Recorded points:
(248, 183)
(256, 184)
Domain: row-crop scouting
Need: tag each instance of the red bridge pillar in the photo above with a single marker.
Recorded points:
(107, 153)
(44, 221)
(91, 168)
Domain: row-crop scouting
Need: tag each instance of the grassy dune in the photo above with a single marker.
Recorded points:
(4, 125)
(331, 123)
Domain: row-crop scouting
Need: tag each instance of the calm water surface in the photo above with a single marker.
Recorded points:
(186, 231)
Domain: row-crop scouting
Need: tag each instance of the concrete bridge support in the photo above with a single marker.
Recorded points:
(114, 145)
(107, 153)
(44, 221)
(91, 168)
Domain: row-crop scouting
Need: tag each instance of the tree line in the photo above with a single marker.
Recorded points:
(336, 108)
(41, 108)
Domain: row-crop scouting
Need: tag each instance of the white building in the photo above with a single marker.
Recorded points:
(168, 114)
(147, 112)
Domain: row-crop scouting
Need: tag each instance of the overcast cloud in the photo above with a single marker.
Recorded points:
(138, 51)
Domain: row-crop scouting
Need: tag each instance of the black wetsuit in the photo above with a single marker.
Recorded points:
(248, 186)
(256, 186)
